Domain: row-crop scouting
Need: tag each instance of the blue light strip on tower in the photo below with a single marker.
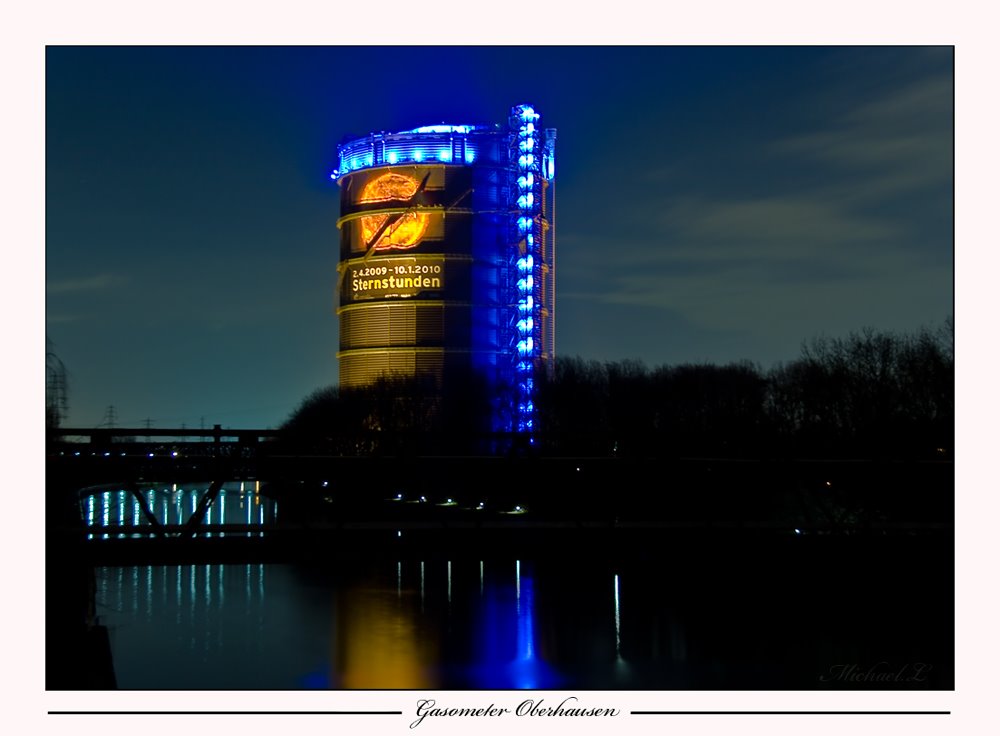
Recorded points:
(527, 196)
(431, 144)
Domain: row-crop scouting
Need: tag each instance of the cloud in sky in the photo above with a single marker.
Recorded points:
(97, 282)
(889, 146)
(827, 255)
(770, 224)
(57, 318)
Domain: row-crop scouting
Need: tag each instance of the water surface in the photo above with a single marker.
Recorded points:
(662, 621)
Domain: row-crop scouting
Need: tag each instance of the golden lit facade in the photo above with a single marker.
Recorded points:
(402, 285)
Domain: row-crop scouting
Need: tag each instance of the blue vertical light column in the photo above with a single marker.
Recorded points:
(527, 200)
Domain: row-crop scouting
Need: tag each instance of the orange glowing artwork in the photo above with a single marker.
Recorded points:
(403, 231)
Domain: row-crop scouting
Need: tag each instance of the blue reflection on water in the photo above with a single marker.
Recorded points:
(318, 680)
(508, 656)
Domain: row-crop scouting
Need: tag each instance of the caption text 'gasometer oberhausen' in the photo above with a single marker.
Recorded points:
(569, 707)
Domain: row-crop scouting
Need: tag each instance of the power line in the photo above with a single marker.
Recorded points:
(110, 417)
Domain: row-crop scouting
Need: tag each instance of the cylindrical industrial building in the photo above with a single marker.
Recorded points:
(447, 259)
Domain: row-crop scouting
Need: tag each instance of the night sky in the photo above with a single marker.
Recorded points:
(712, 204)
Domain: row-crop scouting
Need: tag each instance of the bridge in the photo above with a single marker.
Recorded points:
(368, 480)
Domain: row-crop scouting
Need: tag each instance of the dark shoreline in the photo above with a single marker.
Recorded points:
(588, 542)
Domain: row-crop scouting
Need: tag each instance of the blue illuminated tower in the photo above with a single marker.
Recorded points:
(447, 259)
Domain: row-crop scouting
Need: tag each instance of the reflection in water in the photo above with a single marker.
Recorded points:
(618, 623)
(135, 589)
(120, 598)
(379, 641)
(177, 601)
(525, 629)
(382, 632)
(183, 634)
(507, 656)
(453, 624)
(623, 672)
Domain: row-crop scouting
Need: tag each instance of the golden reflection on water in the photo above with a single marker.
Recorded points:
(378, 642)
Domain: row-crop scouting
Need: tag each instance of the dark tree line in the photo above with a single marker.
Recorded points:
(870, 394)
(624, 409)
(394, 415)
